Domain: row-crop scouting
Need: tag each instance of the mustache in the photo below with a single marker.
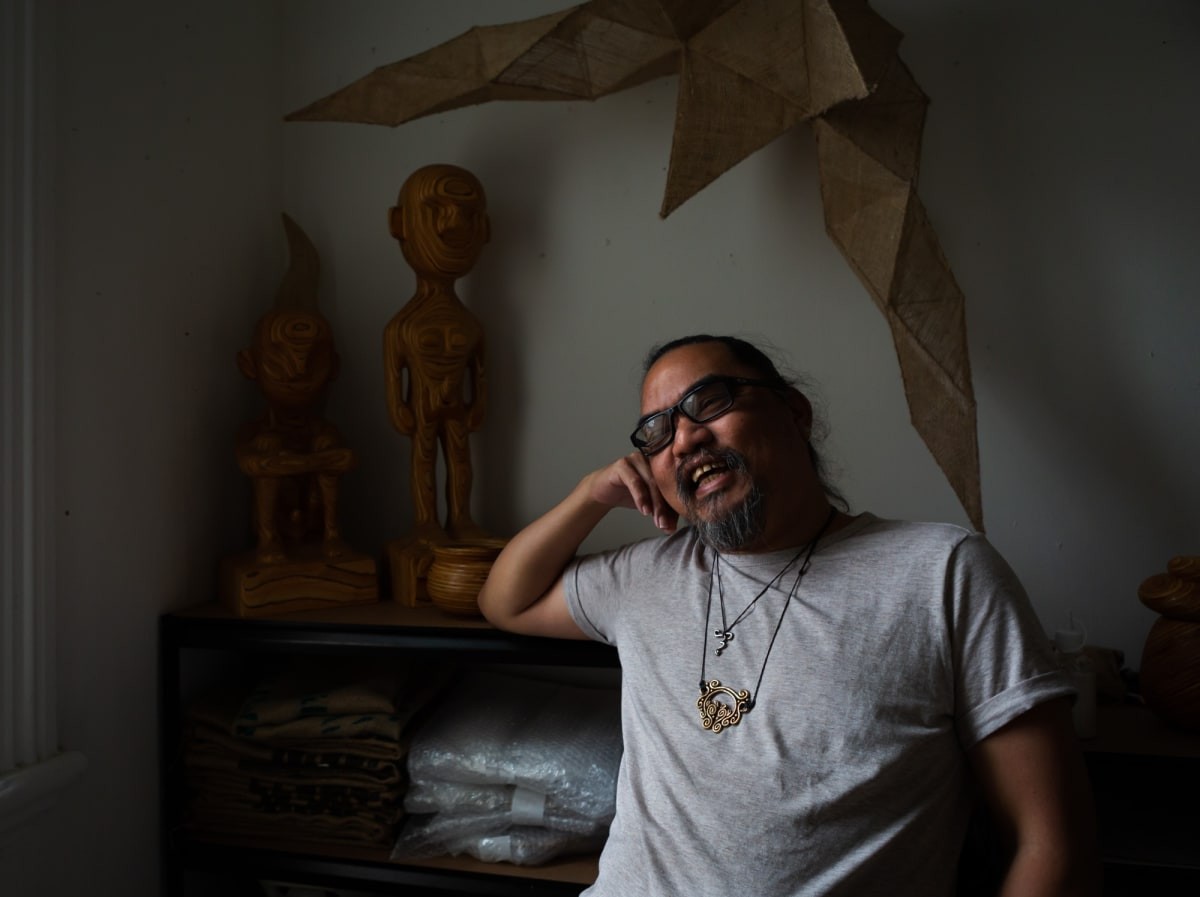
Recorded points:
(729, 458)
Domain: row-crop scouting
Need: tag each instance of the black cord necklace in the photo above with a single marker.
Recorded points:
(725, 634)
(716, 714)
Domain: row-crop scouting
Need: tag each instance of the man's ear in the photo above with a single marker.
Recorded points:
(245, 363)
(801, 409)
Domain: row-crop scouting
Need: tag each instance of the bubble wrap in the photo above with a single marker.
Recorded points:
(503, 804)
(562, 741)
(513, 769)
(522, 845)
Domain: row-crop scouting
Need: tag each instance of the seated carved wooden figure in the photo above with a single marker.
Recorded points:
(294, 458)
(434, 362)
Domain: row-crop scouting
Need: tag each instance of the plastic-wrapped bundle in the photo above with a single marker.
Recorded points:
(484, 839)
(523, 845)
(503, 757)
(494, 729)
(503, 804)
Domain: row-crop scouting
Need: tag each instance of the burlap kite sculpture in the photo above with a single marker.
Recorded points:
(749, 70)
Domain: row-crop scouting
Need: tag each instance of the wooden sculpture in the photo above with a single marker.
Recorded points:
(294, 459)
(1170, 674)
(434, 363)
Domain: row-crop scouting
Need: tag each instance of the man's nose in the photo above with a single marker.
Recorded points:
(689, 435)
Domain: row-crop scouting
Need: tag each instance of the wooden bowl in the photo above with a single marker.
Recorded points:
(457, 574)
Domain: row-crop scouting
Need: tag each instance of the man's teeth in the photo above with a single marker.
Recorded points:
(701, 471)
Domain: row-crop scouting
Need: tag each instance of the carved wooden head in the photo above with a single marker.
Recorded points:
(292, 357)
(441, 221)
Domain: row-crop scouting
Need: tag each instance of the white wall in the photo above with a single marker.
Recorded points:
(1057, 170)
(168, 246)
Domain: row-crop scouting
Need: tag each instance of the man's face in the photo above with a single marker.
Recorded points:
(728, 474)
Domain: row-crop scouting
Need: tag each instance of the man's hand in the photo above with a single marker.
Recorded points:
(524, 591)
(629, 483)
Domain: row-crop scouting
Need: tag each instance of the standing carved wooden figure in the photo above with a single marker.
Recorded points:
(294, 458)
(434, 363)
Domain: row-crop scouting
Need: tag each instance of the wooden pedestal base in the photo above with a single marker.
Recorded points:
(409, 559)
(310, 581)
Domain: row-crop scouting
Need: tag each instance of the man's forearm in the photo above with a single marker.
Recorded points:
(1033, 775)
(528, 572)
(1041, 873)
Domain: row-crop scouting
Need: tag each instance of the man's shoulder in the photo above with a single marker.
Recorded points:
(886, 531)
(679, 546)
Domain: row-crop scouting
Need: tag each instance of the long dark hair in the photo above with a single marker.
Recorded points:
(749, 355)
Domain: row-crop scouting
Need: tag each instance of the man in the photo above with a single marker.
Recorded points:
(809, 699)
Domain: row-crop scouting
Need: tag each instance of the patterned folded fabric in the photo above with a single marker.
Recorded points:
(226, 823)
(334, 767)
(223, 792)
(306, 755)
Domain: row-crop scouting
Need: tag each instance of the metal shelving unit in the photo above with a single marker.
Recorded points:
(378, 630)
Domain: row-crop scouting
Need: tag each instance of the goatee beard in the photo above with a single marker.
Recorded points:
(738, 527)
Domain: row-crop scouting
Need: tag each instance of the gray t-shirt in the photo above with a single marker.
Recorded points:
(903, 645)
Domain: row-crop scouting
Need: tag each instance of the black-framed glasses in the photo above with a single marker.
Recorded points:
(707, 400)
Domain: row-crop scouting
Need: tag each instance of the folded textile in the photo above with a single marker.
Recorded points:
(302, 706)
(296, 694)
(303, 756)
(364, 725)
(232, 791)
(296, 765)
(364, 746)
(341, 829)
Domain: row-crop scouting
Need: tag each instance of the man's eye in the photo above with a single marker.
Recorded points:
(708, 402)
(654, 427)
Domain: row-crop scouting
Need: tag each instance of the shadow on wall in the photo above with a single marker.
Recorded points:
(518, 238)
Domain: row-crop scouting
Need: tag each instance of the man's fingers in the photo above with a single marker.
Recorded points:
(635, 474)
(663, 514)
(628, 482)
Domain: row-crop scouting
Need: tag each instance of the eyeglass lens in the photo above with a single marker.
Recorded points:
(700, 405)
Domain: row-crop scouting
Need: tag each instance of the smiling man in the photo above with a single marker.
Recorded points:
(811, 700)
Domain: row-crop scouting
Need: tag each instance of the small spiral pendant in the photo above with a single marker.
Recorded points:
(725, 637)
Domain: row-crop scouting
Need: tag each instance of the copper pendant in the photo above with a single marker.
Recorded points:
(716, 714)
